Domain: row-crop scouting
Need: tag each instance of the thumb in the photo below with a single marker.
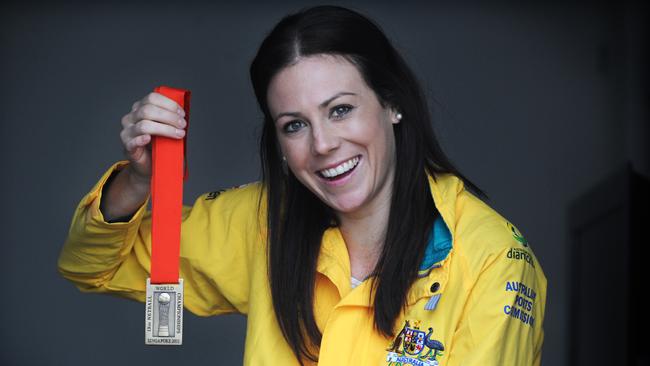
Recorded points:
(141, 162)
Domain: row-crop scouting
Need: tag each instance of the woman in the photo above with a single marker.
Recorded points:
(376, 253)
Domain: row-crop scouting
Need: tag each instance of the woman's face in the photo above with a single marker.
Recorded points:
(337, 138)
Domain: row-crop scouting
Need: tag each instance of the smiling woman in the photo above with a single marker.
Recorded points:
(341, 144)
(362, 244)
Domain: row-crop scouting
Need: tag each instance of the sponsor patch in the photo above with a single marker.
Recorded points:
(521, 254)
(214, 194)
(516, 234)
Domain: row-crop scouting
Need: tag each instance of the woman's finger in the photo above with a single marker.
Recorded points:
(127, 120)
(149, 127)
(163, 102)
(131, 141)
(137, 142)
(156, 113)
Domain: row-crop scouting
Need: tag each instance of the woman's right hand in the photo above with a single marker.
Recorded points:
(155, 114)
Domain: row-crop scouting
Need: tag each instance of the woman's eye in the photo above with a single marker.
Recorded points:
(292, 126)
(341, 110)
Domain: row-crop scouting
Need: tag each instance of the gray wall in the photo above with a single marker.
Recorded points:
(535, 104)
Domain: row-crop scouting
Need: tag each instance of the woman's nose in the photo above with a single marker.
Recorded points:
(324, 140)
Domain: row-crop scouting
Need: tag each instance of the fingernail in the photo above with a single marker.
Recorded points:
(180, 132)
(181, 112)
(182, 122)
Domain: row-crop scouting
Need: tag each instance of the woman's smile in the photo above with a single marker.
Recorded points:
(339, 174)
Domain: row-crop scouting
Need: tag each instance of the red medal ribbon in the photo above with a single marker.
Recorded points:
(168, 173)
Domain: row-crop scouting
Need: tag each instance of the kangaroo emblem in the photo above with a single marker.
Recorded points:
(399, 339)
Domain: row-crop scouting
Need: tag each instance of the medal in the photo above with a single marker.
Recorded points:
(164, 313)
(164, 297)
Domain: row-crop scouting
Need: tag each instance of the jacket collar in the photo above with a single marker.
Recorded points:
(334, 262)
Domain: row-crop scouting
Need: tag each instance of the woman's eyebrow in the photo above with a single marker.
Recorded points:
(320, 106)
(329, 100)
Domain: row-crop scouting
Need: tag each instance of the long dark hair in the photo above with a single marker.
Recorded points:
(297, 219)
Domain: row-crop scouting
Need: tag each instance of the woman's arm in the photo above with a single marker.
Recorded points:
(503, 316)
(123, 194)
(115, 257)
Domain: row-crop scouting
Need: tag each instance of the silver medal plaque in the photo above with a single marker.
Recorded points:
(164, 314)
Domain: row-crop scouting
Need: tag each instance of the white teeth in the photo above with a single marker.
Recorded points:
(342, 168)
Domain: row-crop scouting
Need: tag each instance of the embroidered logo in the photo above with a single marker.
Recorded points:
(413, 347)
(214, 194)
(516, 234)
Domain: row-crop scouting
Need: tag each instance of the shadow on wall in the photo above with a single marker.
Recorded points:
(608, 250)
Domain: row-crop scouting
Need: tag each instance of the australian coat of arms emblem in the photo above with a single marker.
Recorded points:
(413, 346)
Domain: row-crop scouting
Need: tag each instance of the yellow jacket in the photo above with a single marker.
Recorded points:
(479, 301)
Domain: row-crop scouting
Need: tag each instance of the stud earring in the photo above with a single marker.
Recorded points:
(399, 117)
(285, 166)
